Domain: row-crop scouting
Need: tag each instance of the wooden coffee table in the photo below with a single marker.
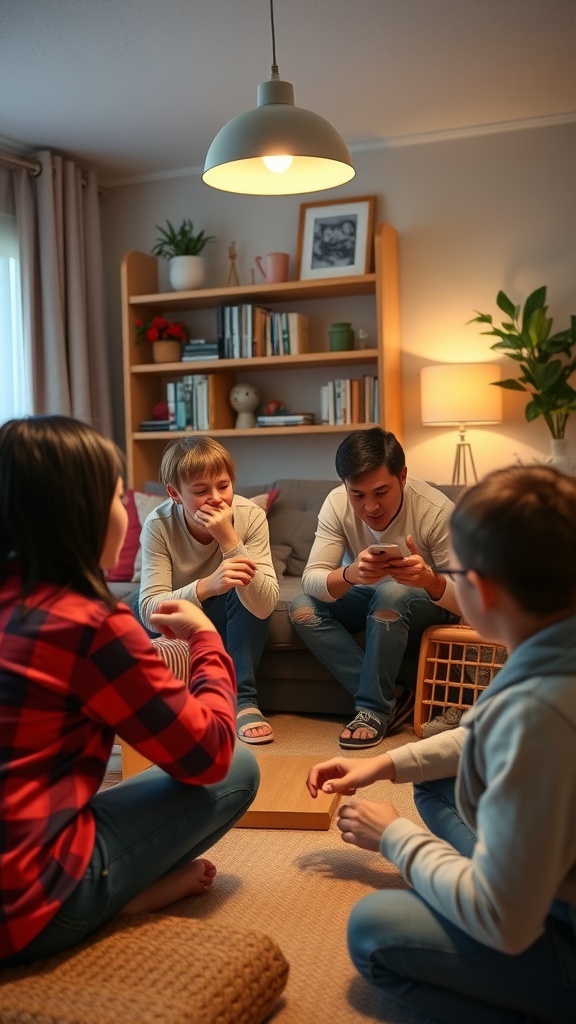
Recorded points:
(282, 800)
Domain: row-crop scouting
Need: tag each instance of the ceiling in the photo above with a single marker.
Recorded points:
(140, 87)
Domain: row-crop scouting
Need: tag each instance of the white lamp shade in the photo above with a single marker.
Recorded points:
(460, 393)
(320, 157)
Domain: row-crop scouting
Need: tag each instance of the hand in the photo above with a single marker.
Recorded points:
(218, 520)
(368, 567)
(238, 571)
(363, 822)
(179, 620)
(414, 571)
(345, 774)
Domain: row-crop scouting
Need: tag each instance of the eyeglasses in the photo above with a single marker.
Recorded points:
(451, 572)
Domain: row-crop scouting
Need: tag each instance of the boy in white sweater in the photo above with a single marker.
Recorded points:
(487, 930)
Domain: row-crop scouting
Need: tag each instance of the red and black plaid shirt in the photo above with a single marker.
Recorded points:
(74, 673)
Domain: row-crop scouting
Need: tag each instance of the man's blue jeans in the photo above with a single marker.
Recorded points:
(146, 827)
(244, 637)
(370, 675)
(402, 946)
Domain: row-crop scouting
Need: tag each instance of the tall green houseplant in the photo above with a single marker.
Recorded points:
(547, 361)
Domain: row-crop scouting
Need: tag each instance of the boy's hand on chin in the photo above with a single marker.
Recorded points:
(363, 822)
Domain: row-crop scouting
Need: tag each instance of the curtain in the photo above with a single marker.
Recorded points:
(15, 377)
(63, 304)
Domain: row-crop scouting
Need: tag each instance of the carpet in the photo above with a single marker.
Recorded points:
(299, 887)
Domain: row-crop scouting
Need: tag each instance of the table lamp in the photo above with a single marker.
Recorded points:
(460, 394)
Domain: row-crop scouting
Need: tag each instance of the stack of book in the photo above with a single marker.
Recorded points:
(349, 401)
(198, 349)
(247, 330)
(286, 419)
(187, 401)
(155, 425)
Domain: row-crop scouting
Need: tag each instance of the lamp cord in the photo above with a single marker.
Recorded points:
(274, 71)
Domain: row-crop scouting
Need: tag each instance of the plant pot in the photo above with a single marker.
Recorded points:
(560, 457)
(186, 273)
(341, 337)
(166, 351)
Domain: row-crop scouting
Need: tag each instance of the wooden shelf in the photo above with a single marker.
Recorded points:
(144, 380)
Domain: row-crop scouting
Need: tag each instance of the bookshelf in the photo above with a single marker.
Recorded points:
(145, 381)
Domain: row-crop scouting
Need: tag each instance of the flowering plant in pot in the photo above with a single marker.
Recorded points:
(167, 337)
(182, 247)
(159, 329)
(546, 361)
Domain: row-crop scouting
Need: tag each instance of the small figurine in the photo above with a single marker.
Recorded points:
(233, 279)
(244, 399)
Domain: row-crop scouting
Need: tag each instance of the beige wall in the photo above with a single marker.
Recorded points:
(473, 214)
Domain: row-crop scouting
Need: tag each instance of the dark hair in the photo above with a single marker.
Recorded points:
(58, 477)
(518, 527)
(189, 458)
(366, 450)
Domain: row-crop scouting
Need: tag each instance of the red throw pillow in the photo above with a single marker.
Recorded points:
(124, 570)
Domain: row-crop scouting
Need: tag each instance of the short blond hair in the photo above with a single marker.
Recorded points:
(187, 458)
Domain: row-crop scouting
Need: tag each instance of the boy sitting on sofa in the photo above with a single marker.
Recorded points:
(210, 546)
(394, 599)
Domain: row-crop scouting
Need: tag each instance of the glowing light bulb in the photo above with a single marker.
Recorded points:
(278, 164)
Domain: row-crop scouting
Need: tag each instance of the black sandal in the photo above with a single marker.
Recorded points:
(364, 719)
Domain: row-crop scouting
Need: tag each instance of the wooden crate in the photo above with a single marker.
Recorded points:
(454, 666)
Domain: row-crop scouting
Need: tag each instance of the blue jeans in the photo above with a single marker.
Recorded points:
(368, 675)
(244, 637)
(402, 946)
(146, 827)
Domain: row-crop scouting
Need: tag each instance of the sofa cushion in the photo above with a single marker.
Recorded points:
(294, 517)
(138, 505)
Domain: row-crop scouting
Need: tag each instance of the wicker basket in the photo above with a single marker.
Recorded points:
(454, 666)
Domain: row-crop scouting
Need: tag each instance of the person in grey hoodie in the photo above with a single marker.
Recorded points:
(487, 929)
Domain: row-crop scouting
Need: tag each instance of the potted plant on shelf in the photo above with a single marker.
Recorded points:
(167, 337)
(546, 362)
(182, 248)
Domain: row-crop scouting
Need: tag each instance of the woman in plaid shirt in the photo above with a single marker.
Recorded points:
(77, 669)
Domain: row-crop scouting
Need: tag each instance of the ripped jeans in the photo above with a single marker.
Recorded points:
(370, 675)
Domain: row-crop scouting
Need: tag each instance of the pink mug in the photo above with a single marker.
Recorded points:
(273, 266)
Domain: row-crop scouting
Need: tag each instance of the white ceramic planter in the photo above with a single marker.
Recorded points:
(560, 456)
(186, 273)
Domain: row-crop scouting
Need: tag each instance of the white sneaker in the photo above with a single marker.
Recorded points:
(449, 719)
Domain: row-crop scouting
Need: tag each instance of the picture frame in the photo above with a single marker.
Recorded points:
(335, 238)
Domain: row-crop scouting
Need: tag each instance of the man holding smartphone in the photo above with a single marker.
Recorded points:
(353, 582)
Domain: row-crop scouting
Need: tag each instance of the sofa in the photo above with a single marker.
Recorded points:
(290, 678)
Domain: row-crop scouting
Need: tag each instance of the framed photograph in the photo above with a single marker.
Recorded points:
(335, 238)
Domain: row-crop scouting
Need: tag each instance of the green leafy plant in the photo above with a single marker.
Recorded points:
(547, 361)
(180, 242)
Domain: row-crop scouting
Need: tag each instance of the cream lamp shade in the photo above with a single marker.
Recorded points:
(460, 393)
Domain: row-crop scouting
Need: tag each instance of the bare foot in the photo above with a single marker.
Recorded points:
(190, 880)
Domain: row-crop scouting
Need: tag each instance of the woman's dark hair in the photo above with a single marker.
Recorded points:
(366, 450)
(518, 527)
(58, 477)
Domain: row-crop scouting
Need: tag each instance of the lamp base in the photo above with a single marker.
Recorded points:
(463, 455)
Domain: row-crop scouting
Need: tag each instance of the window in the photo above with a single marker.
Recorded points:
(15, 382)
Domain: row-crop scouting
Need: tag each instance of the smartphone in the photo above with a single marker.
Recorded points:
(390, 550)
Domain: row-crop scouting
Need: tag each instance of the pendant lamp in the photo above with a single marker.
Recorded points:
(277, 149)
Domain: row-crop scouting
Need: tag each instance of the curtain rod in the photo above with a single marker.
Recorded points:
(34, 166)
